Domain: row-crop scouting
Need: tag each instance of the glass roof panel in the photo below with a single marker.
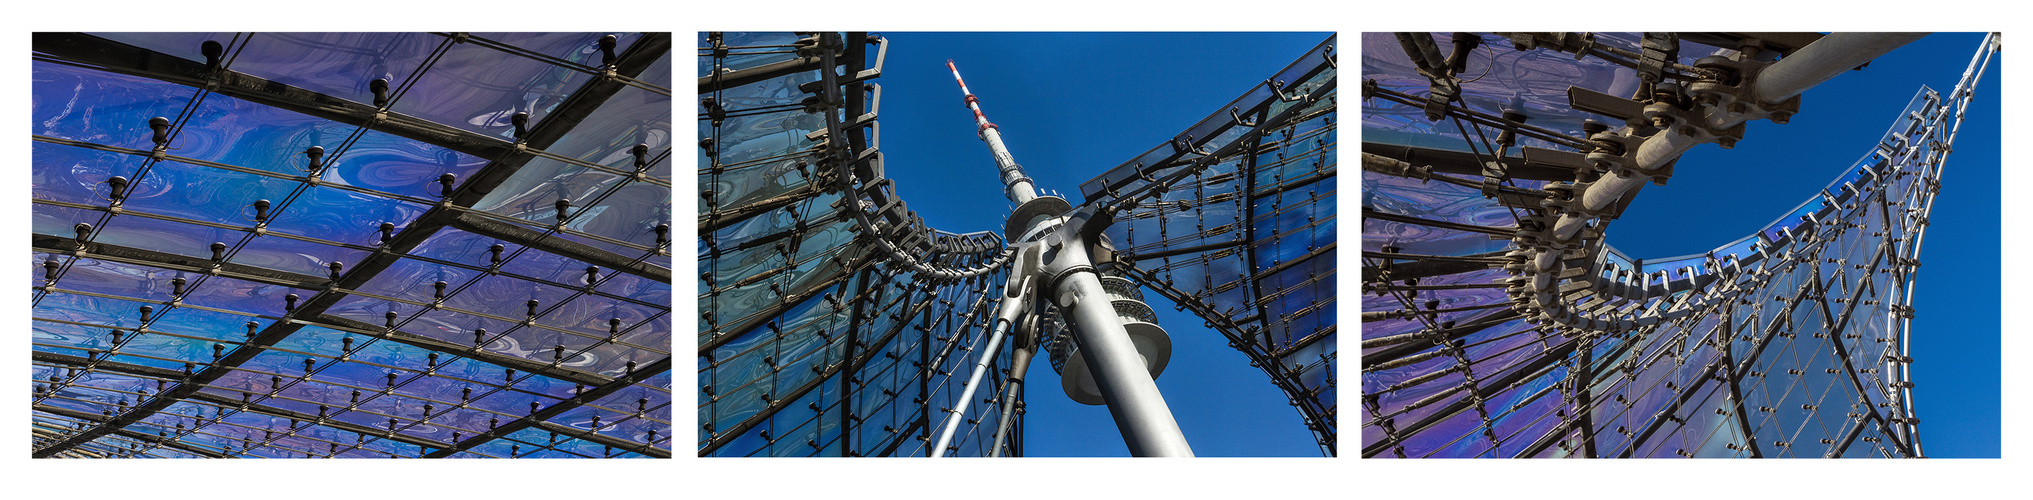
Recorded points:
(319, 239)
(478, 88)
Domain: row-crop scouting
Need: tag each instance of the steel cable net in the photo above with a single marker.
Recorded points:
(834, 323)
(381, 245)
(1785, 343)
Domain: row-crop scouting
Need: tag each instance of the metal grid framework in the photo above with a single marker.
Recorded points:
(834, 322)
(1235, 220)
(1787, 343)
(379, 245)
(813, 341)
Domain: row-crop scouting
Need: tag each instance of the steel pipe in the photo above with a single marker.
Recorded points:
(1822, 60)
(1005, 315)
(1019, 363)
(1119, 370)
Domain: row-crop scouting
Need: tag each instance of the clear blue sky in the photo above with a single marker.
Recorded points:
(1717, 195)
(1071, 106)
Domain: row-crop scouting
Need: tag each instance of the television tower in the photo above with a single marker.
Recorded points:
(1117, 349)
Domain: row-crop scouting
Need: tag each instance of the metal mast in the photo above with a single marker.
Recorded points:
(1055, 258)
(1015, 184)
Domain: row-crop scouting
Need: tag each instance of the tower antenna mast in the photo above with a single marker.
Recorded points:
(1015, 184)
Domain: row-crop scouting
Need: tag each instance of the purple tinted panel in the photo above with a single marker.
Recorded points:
(580, 48)
(341, 215)
(86, 105)
(474, 88)
(335, 64)
(236, 295)
(1431, 201)
(48, 333)
(183, 45)
(632, 116)
(398, 165)
(413, 280)
(162, 236)
(77, 175)
(294, 255)
(242, 133)
(453, 245)
(1534, 82)
(205, 194)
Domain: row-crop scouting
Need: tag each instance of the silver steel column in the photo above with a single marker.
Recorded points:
(1005, 315)
(1019, 363)
(1822, 60)
(1119, 371)
(1069, 276)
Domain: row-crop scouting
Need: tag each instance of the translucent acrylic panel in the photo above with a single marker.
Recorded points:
(335, 214)
(393, 164)
(474, 88)
(1525, 413)
(624, 210)
(1456, 435)
(632, 116)
(414, 280)
(187, 46)
(92, 106)
(454, 245)
(580, 48)
(77, 175)
(227, 130)
(1534, 82)
(289, 254)
(1432, 201)
(335, 64)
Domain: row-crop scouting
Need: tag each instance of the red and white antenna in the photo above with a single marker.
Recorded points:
(1017, 185)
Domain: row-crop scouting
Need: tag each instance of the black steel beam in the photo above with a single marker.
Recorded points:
(646, 449)
(720, 217)
(559, 246)
(730, 79)
(1367, 213)
(227, 402)
(559, 408)
(64, 245)
(1736, 391)
(1422, 269)
(1668, 415)
(1303, 343)
(1435, 258)
(1464, 163)
(847, 378)
(131, 434)
(1282, 266)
